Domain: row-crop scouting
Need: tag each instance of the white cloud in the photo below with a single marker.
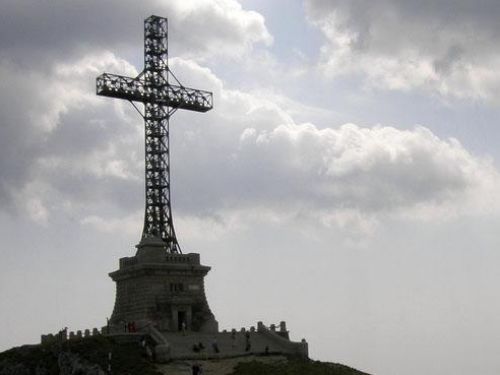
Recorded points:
(448, 48)
(369, 170)
(220, 27)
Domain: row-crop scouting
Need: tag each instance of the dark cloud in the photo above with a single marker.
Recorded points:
(53, 122)
(37, 32)
(20, 139)
(480, 17)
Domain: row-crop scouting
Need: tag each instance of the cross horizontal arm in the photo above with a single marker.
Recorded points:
(116, 86)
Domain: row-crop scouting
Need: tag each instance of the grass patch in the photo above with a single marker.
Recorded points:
(31, 357)
(126, 359)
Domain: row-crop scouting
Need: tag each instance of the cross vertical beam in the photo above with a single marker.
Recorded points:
(158, 214)
(161, 99)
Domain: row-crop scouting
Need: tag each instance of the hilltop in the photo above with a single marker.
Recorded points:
(89, 356)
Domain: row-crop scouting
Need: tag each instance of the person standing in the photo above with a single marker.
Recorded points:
(215, 346)
(233, 339)
(248, 344)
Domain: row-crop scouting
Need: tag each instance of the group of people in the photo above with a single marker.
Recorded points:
(199, 347)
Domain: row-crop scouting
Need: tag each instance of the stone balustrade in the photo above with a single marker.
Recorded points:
(278, 328)
(63, 335)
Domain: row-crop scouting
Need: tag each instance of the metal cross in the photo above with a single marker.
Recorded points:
(161, 99)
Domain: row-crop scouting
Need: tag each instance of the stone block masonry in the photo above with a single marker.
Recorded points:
(164, 289)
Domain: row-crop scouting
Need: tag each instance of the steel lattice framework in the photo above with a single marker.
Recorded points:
(161, 99)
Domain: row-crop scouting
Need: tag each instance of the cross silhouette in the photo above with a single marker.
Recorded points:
(161, 99)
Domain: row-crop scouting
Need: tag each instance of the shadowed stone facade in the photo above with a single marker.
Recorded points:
(161, 288)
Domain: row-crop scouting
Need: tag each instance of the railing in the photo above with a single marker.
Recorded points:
(183, 258)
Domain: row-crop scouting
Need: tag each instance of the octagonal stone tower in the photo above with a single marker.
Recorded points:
(162, 288)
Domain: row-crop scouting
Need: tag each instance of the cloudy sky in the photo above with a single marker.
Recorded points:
(346, 180)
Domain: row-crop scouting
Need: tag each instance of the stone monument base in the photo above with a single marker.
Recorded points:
(162, 289)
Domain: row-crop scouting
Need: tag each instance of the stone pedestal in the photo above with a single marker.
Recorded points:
(164, 289)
